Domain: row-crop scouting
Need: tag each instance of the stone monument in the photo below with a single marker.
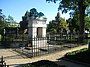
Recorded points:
(37, 27)
(36, 30)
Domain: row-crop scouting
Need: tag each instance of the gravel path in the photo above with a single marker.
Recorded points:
(10, 54)
(52, 57)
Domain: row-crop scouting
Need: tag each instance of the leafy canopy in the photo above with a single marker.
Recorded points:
(73, 6)
(33, 13)
(2, 23)
(57, 25)
(68, 5)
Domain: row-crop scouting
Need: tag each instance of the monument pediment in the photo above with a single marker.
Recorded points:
(41, 18)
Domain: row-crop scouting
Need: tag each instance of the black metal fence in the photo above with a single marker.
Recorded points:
(63, 37)
(13, 40)
(3, 63)
(35, 47)
(44, 45)
(49, 44)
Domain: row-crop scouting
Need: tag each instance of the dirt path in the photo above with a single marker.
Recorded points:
(10, 54)
(23, 60)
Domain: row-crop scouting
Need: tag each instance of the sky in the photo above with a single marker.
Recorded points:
(17, 8)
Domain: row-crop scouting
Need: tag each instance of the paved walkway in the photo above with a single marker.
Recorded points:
(51, 57)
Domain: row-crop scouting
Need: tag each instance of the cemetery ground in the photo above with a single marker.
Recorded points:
(79, 56)
(13, 58)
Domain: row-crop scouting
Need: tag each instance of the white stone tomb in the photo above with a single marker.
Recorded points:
(37, 30)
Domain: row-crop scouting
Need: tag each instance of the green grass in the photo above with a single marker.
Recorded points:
(76, 52)
(81, 55)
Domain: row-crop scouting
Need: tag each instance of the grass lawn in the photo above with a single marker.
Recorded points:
(81, 55)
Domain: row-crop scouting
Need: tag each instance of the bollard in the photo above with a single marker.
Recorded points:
(2, 61)
(89, 48)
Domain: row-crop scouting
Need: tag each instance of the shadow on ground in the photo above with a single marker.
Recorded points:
(47, 63)
(41, 63)
(68, 63)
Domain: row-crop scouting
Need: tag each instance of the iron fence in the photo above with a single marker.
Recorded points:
(45, 45)
(42, 45)
(3, 63)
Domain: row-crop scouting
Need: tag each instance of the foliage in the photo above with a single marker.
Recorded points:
(10, 19)
(74, 23)
(32, 14)
(73, 26)
(75, 52)
(73, 6)
(81, 55)
(1, 14)
(57, 25)
(10, 22)
(88, 10)
(51, 27)
(23, 23)
(40, 14)
(67, 5)
(87, 23)
(2, 23)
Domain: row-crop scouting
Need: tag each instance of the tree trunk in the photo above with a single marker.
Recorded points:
(81, 24)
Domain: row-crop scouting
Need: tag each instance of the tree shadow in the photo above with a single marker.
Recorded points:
(41, 63)
(69, 63)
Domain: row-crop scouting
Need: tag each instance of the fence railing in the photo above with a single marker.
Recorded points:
(3, 63)
(44, 45)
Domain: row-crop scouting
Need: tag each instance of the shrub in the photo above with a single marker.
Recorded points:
(76, 52)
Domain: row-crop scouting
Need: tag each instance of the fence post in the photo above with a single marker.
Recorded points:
(7, 65)
(31, 40)
(2, 61)
(89, 48)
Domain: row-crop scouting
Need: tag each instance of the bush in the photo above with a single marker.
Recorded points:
(76, 52)
(81, 55)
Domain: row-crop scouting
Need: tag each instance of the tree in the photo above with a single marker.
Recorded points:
(61, 23)
(64, 25)
(87, 23)
(24, 23)
(81, 5)
(32, 14)
(73, 25)
(57, 25)
(58, 22)
(88, 10)
(2, 24)
(74, 22)
(10, 19)
(10, 22)
(40, 14)
(51, 27)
